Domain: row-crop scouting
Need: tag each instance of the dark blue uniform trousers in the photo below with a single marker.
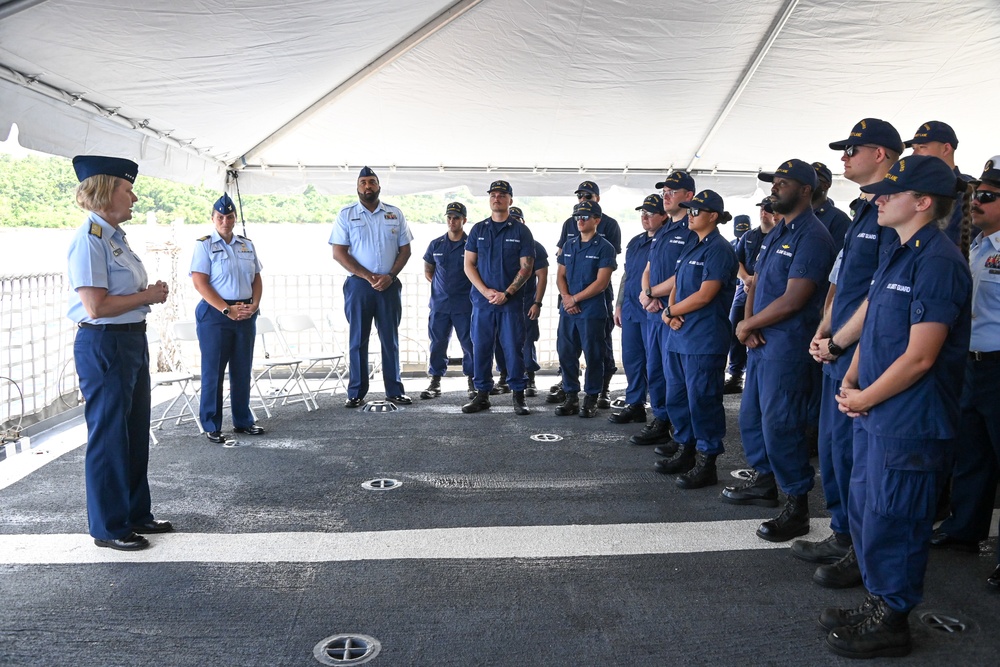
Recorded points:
(577, 334)
(634, 359)
(894, 490)
(977, 456)
(490, 324)
(694, 400)
(225, 342)
(439, 328)
(114, 378)
(362, 305)
(656, 380)
(609, 343)
(531, 336)
(836, 455)
(774, 412)
(737, 350)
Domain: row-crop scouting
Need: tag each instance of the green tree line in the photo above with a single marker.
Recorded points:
(38, 192)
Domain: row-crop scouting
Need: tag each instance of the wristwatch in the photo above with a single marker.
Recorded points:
(225, 311)
(834, 349)
(670, 315)
(649, 292)
(537, 303)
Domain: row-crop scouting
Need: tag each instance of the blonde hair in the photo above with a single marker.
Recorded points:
(94, 192)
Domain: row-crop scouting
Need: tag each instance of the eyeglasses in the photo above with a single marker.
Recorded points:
(985, 196)
(578, 218)
(851, 151)
(695, 212)
(584, 195)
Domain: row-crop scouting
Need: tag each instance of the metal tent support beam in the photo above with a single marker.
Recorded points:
(390, 56)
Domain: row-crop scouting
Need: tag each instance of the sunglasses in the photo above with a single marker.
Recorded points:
(695, 212)
(985, 196)
(851, 151)
(584, 195)
(578, 218)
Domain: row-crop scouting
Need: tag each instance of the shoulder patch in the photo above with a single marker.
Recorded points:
(95, 230)
(205, 238)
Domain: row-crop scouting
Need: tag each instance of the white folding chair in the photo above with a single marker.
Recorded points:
(304, 326)
(185, 400)
(294, 388)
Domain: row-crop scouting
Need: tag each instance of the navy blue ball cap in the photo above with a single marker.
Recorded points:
(500, 186)
(933, 130)
(991, 171)
(920, 173)
(588, 208)
(224, 205)
(367, 171)
(516, 212)
(588, 186)
(741, 223)
(652, 204)
(678, 180)
(456, 208)
(95, 165)
(874, 131)
(765, 204)
(709, 200)
(795, 170)
(823, 172)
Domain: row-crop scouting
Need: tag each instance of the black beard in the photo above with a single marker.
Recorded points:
(369, 197)
(783, 206)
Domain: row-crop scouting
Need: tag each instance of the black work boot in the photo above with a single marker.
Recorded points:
(668, 449)
(472, 387)
(589, 408)
(480, 402)
(734, 385)
(679, 463)
(530, 390)
(758, 489)
(885, 633)
(631, 413)
(845, 573)
(501, 387)
(701, 475)
(829, 550)
(570, 405)
(434, 389)
(519, 406)
(832, 618)
(556, 394)
(656, 432)
(604, 398)
(792, 522)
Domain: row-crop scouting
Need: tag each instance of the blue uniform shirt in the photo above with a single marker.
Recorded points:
(799, 249)
(231, 267)
(582, 261)
(984, 257)
(747, 248)
(99, 256)
(954, 228)
(866, 245)
(449, 286)
(668, 244)
(541, 262)
(924, 280)
(499, 247)
(835, 221)
(636, 258)
(706, 330)
(374, 238)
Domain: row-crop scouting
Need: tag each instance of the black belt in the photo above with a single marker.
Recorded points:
(984, 356)
(134, 327)
(236, 301)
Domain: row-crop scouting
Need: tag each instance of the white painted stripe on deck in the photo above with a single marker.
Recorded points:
(438, 543)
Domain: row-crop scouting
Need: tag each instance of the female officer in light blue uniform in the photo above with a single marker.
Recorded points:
(696, 350)
(226, 272)
(109, 304)
(903, 386)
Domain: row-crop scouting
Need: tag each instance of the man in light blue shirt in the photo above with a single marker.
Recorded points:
(372, 241)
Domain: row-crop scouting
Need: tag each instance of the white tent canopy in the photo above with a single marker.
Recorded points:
(435, 94)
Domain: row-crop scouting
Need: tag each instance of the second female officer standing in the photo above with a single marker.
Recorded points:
(225, 270)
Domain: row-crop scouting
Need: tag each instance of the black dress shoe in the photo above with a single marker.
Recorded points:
(216, 437)
(253, 429)
(130, 542)
(994, 579)
(943, 540)
(354, 402)
(631, 413)
(153, 526)
(402, 399)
